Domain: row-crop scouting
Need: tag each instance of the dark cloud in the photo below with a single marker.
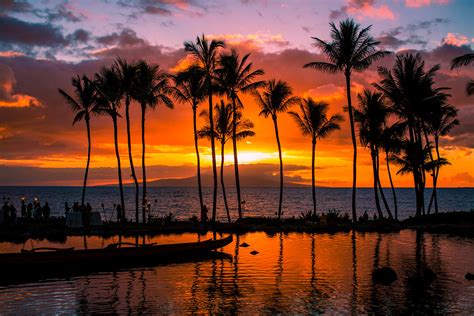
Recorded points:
(80, 36)
(15, 31)
(127, 37)
(14, 6)
(62, 12)
(156, 10)
(403, 35)
(165, 7)
(342, 12)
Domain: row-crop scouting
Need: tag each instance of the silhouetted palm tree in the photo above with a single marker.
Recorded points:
(152, 88)
(127, 74)
(224, 124)
(236, 76)
(206, 54)
(276, 98)
(409, 89)
(83, 104)
(392, 137)
(441, 119)
(371, 117)
(108, 99)
(313, 121)
(464, 60)
(351, 49)
(190, 87)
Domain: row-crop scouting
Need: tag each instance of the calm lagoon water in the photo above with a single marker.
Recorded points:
(293, 273)
(184, 202)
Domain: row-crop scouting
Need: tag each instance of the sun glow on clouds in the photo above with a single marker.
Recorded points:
(456, 39)
(424, 3)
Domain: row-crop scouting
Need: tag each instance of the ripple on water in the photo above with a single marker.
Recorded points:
(293, 273)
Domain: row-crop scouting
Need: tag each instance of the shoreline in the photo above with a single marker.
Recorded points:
(453, 223)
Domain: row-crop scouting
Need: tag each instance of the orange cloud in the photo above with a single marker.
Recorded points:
(456, 39)
(368, 10)
(328, 92)
(257, 40)
(424, 3)
(11, 54)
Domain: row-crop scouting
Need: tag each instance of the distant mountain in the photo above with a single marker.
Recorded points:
(251, 176)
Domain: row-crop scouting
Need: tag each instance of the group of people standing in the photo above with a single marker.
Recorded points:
(32, 210)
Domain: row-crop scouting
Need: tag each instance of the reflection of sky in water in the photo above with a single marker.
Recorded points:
(294, 273)
(184, 202)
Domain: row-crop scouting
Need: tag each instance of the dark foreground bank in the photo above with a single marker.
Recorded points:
(457, 223)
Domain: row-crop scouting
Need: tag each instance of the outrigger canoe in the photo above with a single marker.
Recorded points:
(113, 256)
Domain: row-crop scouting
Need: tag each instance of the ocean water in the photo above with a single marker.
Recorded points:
(184, 202)
(293, 274)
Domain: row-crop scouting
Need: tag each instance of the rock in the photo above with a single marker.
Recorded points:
(254, 252)
(428, 276)
(469, 276)
(244, 244)
(384, 276)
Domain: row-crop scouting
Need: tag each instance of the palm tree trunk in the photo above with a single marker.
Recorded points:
(354, 145)
(198, 163)
(391, 185)
(129, 142)
(433, 174)
(222, 183)
(119, 166)
(313, 178)
(376, 194)
(213, 151)
(88, 127)
(381, 189)
(143, 165)
(281, 166)
(416, 173)
(236, 161)
(435, 183)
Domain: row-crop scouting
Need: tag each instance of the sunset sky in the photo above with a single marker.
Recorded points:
(44, 43)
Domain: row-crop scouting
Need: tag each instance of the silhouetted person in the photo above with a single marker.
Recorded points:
(12, 214)
(29, 210)
(204, 212)
(375, 217)
(46, 210)
(119, 213)
(37, 214)
(365, 217)
(323, 219)
(6, 213)
(23, 208)
(67, 209)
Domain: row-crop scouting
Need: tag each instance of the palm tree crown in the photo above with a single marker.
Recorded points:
(190, 86)
(352, 47)
(151, 86)
(464, 60)
(371, 116)
(83, 102)
(276, 97)
(313, 120)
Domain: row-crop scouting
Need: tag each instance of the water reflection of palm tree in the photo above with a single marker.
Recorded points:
(353, 300)
(315, 295)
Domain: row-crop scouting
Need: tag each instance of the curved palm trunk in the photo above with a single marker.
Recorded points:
(198, 160)
(119, 167)
(213, 151)
(88, 127)
(391, 185)
(222, 183)
(129, 143)
(354, 146)
(434, 196)
(313, 178)
(281, 166)
(435, 183)
(236, 161)
(143, 165)
(376, 194)
(381, 189)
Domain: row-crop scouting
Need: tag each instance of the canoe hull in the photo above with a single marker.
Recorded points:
(111, 258)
